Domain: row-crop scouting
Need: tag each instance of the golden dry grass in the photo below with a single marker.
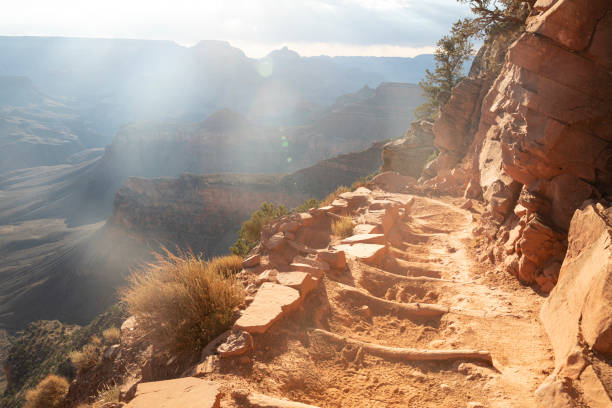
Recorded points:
(86, 358)
(342, 227)
(112, 335)
(184, 301)
(108, 393)
(49, 393)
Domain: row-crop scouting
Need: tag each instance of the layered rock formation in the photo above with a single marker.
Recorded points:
(538, 150)
(578, 313)
(542, 144)
(194, 211)
(409, 154)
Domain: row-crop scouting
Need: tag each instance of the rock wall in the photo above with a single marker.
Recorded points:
(543, 144)
(577, 314)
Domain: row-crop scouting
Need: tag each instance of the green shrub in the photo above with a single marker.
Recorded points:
(49, 393)
(250, 232)
(183, 301)
(307, 205)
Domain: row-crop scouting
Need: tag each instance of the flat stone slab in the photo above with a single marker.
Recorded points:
(365, 239)
(368, 253)
(271, 302)
(366, 229)
(263, 401)
(188, 392)
(302, 281)
(304, 267)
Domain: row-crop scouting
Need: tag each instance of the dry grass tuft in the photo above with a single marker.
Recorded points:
(49, 393)
(112, 335)
(342, 227)
(226, 266)
(331, 197)
(108, 393)
(184, 301)
(86, 358)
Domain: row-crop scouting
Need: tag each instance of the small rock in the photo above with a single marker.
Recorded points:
(444, 387)
(336, 259)
(112, 405)
(251, 261)
(275, 242)
(475, 404)
(237, 343)
(111, 352)
(269, 275)
(365, 311)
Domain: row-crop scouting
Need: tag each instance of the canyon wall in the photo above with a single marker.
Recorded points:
(534, 142)
(542, 143)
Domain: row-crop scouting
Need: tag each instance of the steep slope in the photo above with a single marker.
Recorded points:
(55, 270)
(36, 130)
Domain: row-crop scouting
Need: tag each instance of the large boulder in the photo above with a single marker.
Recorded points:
(578, 312)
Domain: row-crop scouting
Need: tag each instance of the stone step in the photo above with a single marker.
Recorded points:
(255, 400)
(303, 267)
(365, 239)
(271, 302)
(188, 392)
(302, 281)
(368, 253)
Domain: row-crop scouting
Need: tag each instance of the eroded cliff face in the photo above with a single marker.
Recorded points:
(542, 145)
(535, 145)
(199, 212)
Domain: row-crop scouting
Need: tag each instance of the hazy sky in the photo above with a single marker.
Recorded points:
(311, 27)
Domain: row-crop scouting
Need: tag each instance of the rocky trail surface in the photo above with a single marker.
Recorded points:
(401, 314)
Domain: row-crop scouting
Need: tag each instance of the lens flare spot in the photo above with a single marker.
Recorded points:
(289, 159)
(265, 67)
(285, 144)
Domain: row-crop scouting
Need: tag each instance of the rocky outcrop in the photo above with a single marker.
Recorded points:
(542, 145)
(577, 314)
(408, 155)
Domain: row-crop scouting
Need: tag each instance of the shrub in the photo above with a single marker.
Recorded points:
(49, 393)
(108, 393)
(86, 358)
(182, 300)
(112, 335)
(342, 227)
(332, 196)
(307, 205)
(250, 232)
(226, 266)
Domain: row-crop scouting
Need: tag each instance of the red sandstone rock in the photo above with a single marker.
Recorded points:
(302, 281)
(335, 258)
(579, 306)
(271, 302)
(236, 344)
(369, 253)
(251, 261)
(365, 239)
(186, 392)
(366, 229)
